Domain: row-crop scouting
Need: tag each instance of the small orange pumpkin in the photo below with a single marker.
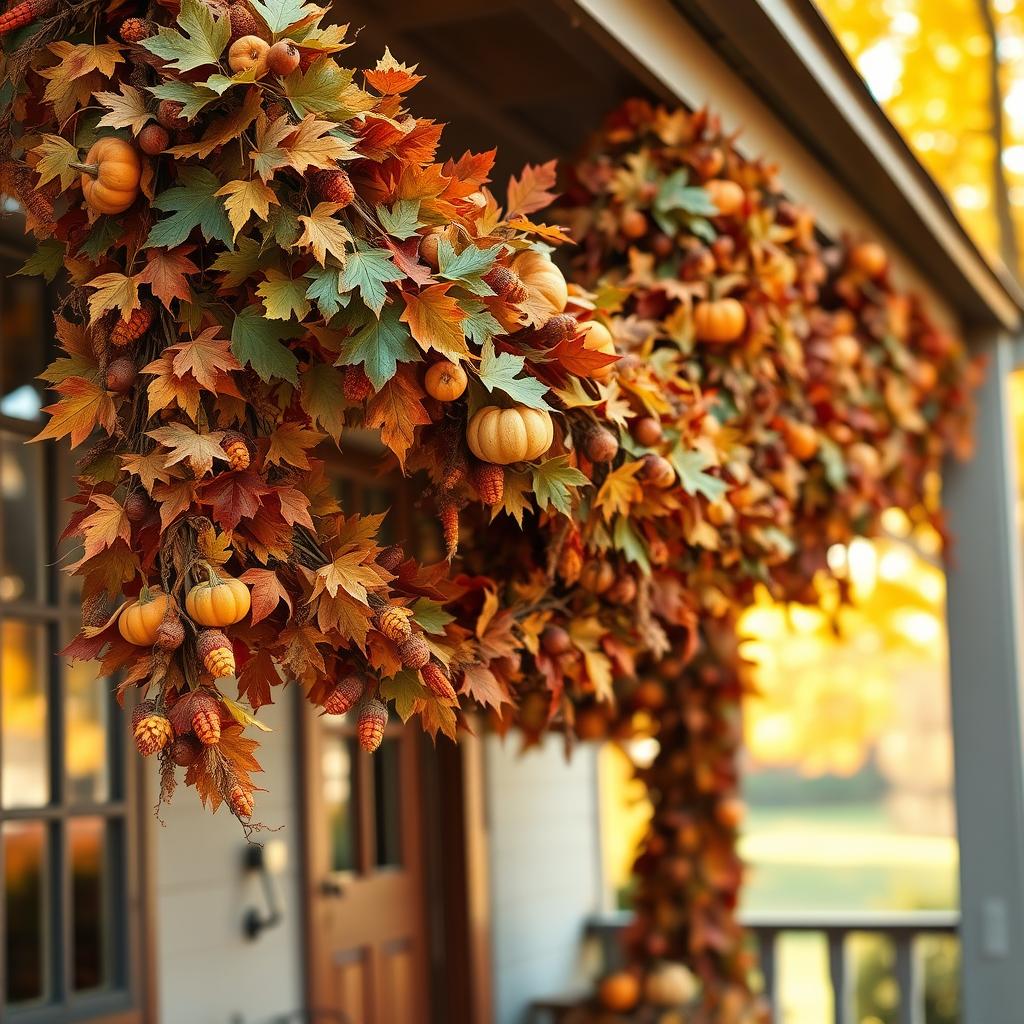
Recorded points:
(503, 436)
(619, 992)
(869, 258)
(111, 174)
(548, 292)
(220, 601)
(801, 439)
(140, 620)
(719, 320)
(728, 196)
(847, 349)
(597, 338)
(445, 381)
(249, 52)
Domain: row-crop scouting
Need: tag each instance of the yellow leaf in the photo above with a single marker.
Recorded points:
(619, 490)
(435, 320)
(246, 198)
(128, 109)
(323, 234)
(54, 155)
(113, 291)
(224, 129)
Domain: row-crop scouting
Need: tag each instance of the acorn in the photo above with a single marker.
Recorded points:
(216, 653)
(555, 640)
(137, 506)
(658, 471)
(332, 186)
(647, 431)
(597, 576)
(601, 445)
(622, 591)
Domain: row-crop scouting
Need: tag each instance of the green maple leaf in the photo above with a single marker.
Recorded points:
(258, 341)
(241, 263)
(321, 90)
(279, 15)
(46, 261)
(105, 232)
(467, 267)
(405, 689)
(690, 466)
(284, 297)
(479, 323)
(380, 345)
(501, 370)
(430, 616)
(194, 204)
(204, 43)
(322, 395)
(553, 483)
(369, 270)
(325, 290)
(402, 220)
(628, 541)
(192, 97)
(675, 194)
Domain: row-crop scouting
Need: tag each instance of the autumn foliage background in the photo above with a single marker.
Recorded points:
(262, 254)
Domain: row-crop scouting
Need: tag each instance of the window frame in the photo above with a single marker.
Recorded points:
(128, 995)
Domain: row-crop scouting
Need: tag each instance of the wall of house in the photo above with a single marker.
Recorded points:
(207, 971)
(544, 869)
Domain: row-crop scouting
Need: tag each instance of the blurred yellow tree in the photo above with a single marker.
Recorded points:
(929, 63)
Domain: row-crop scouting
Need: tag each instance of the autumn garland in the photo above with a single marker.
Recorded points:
(818, 397)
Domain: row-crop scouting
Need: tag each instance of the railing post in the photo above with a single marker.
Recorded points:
(984, 613)
(909, 980)
(837, 974)
(766, 939)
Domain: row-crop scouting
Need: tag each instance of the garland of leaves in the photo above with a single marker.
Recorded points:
(264, 255)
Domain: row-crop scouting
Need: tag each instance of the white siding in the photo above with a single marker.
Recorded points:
(208, 973)
(544, 869)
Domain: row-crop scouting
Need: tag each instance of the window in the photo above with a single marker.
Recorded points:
(69, 948)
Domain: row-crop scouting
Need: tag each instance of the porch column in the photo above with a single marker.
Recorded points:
(984, 611)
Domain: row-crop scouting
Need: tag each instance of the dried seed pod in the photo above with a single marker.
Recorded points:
(97, 609)
(168, 113)
(356, 386)
(142, 710)
(345, 694)
(216, 653)
(240, 801)
(206, 726)
(393, 622)
(24, 14)
(448, 513)
(137, 506)
(154, 139)
(152, 734)
(243, 22)
(489, 481)
(370, 724)
(332, 187)
(437, 682)
(506, 284)
(561, 327)
(134, 30)
(35, 201)
(127, 331)
(185, 750)
(121, 374)
(391, 558)
(413, 651)
(237, 448)
(170, 634)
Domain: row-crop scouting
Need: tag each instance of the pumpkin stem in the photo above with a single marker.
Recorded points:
(145, 594)
(212, 579)
(93, 170)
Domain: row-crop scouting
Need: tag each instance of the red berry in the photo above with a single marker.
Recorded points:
(154, 139)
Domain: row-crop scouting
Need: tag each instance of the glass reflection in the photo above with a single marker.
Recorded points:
(21, 484)
(24, 852)
(86, 711)
(387, 806)
(24, 745)
(338, 781)
(86, 841)
(23, 313)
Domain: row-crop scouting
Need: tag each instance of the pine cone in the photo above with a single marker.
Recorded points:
(168, 113)
(332, 187)
(344, 695)
(121, 374)
(240, 801)
(391, 558)
(506, 284)
(127, 331)
(152, 734)
(137, 506)
(489, 481)
(393, 622)
(236, 448)
(185, 750)
(436, 681)
(373, 717)
(216, 653)
(206, 726)
(413, 651)
(170, 634)
(243, 22)
(97, 609)
(356, 386)
(134, 30)
(448, 513)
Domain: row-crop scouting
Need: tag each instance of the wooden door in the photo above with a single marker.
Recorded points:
(365, 880)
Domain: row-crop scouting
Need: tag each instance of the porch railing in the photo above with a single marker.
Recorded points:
(902, 929)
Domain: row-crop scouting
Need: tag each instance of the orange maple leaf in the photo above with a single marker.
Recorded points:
(435, 320)
(83, 406)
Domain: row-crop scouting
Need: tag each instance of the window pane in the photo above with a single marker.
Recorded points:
(23, 316)
(24, 907)
(21, 484)
(24, 742)
(338, 780)
(387, 803)
(86, 726)
(86, 842)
